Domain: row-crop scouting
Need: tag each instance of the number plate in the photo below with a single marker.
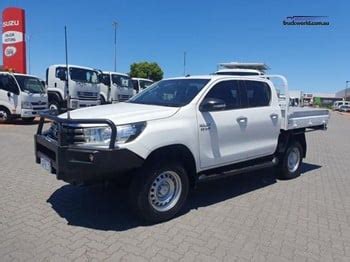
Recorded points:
(45, 163)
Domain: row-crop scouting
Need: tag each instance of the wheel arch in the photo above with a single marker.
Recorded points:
(287, 137)
(176, 152)
(54, 96)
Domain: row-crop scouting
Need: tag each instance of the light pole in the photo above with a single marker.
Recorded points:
(115, 24)
(346, 89)
(28, 54)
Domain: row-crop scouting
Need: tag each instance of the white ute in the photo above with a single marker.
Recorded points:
(175, 133)
(21, 96)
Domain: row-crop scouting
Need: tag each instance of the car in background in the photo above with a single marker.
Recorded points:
(140, 84)
(344, 108)
(338, 104)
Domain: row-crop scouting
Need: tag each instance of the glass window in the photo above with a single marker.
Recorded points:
(83, 75)
(9, 84)
(228, 91)
(122, 81)
(30, 84)
(144, 84)
(60, 71)
(174, 92)
(258, 93)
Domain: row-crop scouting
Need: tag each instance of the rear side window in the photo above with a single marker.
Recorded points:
(257, 93)
(228, 91)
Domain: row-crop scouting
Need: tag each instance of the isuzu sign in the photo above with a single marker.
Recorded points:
(13, 39)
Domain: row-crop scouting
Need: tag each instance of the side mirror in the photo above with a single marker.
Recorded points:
(212, 104)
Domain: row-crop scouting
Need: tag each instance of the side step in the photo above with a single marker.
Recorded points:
(271, 163)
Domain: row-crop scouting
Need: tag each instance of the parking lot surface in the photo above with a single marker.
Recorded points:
(249, 217)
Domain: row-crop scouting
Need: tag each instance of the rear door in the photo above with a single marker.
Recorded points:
(263, 119)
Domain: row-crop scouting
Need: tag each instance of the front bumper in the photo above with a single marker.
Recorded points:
(78, 165)
(32, 112)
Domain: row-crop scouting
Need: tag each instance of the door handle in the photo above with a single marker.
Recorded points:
(242, 119)
(274, 116)
(55, 84)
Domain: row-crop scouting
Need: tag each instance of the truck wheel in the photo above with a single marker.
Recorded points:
(5, 115)
(158, 193)
(54, 106)
(290, 166)
(102, 99)
(28, 119)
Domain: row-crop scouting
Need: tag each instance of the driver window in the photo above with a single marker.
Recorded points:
(7, 83)
(227, 91)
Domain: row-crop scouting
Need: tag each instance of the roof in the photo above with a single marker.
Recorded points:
(239, 70)
(18, 74)
(217, 77)
(139, 78)
(235, 65)
(116, 73)
(77, 66)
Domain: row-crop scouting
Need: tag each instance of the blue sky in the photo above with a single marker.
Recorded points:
(314, 59)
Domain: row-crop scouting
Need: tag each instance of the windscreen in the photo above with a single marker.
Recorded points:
(30, 84)
(83, 75)
(174, 93)
(122, 81)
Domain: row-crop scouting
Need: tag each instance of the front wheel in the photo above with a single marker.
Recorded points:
(290, 166)
(5, 115)
(158, 193)
(54, 107)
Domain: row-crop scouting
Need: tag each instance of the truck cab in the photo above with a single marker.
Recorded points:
(21, 96)
(140, 84)
(83, 83)
(115, 87)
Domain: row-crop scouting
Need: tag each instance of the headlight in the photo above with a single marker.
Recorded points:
(102, 135)
(27, 105)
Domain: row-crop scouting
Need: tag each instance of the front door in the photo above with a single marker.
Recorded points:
(222, 133)
(9, 93)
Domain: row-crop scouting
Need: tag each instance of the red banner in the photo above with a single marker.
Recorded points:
(13, 39)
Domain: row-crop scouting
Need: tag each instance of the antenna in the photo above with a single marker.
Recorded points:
(67, 72)
(184, 63)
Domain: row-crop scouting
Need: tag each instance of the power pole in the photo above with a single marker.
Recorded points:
(115, 24)
(67, 72)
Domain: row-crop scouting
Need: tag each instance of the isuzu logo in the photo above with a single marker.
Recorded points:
(10, 23)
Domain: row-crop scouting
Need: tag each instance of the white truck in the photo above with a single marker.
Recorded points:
(21, 96)
(83, 86)
(175, 133)
(115, 87)
(241, 69)
(140, 84)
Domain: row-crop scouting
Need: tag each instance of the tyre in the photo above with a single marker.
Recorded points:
(290, 166)
(158, 193)
(103, 101)
(54, 106)
(5, 115)
(28, 119)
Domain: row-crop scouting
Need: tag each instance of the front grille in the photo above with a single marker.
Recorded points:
(87, 95)
(38, 103)
(69, 134)
(39, 107)
(123, 97)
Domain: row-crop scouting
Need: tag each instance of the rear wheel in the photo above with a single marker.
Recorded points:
(290, 166)
(5, 115)
(158, 193)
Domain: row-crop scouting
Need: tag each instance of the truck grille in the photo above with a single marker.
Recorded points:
(123, 97)
(87, 95)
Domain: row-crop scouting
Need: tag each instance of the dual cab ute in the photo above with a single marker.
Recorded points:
(175, 133)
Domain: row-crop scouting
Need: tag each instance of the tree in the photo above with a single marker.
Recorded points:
(146, 70)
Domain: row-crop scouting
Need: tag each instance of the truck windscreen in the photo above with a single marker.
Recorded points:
(83, 75)
(121, 80)
(30, 84)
